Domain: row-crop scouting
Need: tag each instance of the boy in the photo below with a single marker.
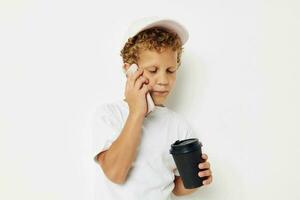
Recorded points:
(131, 146)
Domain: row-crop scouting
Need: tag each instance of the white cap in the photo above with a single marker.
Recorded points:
(154, 21)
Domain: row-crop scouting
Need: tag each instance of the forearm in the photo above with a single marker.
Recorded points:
(179, 188)
(118, 159)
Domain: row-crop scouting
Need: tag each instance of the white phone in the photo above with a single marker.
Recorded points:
(133, 68)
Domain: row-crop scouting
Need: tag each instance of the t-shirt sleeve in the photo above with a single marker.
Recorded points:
(104, 130)
(176, 172)
(190, 132)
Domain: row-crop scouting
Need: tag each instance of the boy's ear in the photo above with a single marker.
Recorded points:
(126, 66)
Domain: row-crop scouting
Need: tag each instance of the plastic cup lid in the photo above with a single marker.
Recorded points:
(185, 146)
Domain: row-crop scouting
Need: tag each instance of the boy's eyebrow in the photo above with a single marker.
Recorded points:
(154, 65)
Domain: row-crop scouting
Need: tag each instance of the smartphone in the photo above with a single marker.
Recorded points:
(133, 68)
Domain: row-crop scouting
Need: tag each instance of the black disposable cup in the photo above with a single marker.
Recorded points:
(187, 155)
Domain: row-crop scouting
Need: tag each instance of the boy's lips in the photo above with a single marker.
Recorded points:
(160, 93)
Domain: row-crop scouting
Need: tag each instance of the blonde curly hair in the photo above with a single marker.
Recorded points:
(155, 38)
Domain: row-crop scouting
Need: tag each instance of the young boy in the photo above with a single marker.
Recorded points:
(130, 146)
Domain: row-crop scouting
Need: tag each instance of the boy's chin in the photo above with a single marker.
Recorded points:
(159, 101)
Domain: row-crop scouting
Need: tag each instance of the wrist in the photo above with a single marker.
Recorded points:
(136, 117)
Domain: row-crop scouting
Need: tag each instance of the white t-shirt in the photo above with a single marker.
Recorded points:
(153, 171)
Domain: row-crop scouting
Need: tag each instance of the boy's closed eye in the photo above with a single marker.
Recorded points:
(153, 70)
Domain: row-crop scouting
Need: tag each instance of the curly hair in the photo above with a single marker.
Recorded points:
(155, 38)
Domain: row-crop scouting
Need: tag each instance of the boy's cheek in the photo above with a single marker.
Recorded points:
(147, 75)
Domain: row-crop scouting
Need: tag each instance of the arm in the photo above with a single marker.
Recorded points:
(179, 188)
(117, 160)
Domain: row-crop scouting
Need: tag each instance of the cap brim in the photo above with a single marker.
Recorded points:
(171, 26)
(146, 23)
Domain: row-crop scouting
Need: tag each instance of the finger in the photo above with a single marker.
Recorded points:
(204, 156)
(208, 181)
(132, 77)
(204, 173)
(205, 165)
(145, 89)
(135, 75)
(141, 80)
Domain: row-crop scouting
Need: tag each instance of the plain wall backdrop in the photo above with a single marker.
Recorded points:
(238, 86)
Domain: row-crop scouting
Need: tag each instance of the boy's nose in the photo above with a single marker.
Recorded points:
(162, 80)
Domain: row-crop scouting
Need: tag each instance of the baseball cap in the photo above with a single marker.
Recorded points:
(154, 21)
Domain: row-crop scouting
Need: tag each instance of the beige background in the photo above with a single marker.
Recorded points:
(238, 86)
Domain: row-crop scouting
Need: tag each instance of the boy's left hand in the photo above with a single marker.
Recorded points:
(207, 172)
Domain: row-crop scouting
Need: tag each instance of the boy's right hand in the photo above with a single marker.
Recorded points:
(135, 93)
